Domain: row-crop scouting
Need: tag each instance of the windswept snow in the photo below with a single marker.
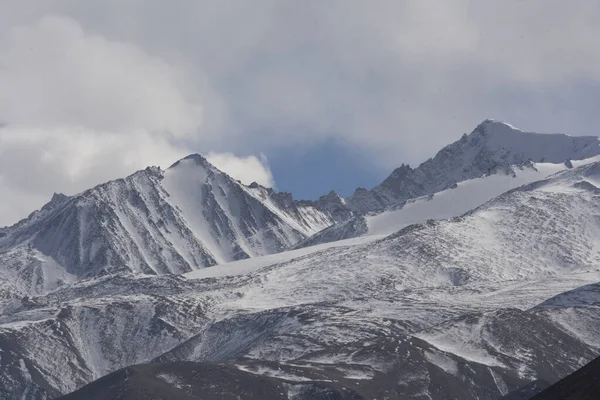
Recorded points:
(185, 185)
(253, 264)
(457, 201)
(446, 204)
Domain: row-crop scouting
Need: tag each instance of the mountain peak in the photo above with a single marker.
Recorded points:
(491, 145)
(332, 196)
(196, 158)
(59, 198)
(56, 201)
(488, 121)
(494, 127)
(401, 171)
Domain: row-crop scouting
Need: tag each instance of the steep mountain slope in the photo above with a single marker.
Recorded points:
(490, 146)
(583, 384)
(577, 312)
(444, 309)
(154, 222)
(448, 203)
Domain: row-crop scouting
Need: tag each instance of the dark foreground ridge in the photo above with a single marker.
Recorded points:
(206, 381)
(583, 384)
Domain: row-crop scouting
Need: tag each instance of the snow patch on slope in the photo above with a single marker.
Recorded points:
(457, 201)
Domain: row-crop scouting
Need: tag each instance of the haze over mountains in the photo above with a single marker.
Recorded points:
(455, 279)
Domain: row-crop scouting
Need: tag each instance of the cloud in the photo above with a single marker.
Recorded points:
(36, 162)
(396, 80)
(81, 109)
(245, 169)
(53, 74)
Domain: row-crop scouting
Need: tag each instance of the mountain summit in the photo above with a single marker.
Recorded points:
(153, 222)
(491, 145)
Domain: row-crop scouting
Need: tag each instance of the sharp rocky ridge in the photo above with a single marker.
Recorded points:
(491, 146)
(155, 222)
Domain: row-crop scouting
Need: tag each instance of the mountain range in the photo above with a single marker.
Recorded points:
(471, 276)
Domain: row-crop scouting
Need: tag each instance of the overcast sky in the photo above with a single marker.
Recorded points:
(303, 95)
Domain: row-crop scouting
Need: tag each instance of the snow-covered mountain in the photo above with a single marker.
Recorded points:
(490, 147)
(154, 222)
(472, 291)
(494, 158)
(445, 204)
(192, 215)
(472, 307)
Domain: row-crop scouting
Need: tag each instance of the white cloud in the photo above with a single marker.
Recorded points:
(53, 74)
(36, 162)
(245, 169)
(395, 79)
(82, 109)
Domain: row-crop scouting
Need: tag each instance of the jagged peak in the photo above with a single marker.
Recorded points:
(256, 185)
(331, 198)
(59, 198)
(401, 171)
(201, 161)
(153, 170)
(196, 158)
(332, 194)
(490, 121)
(56, 200)
(287, 196)
(494, 127)
(496, 122)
